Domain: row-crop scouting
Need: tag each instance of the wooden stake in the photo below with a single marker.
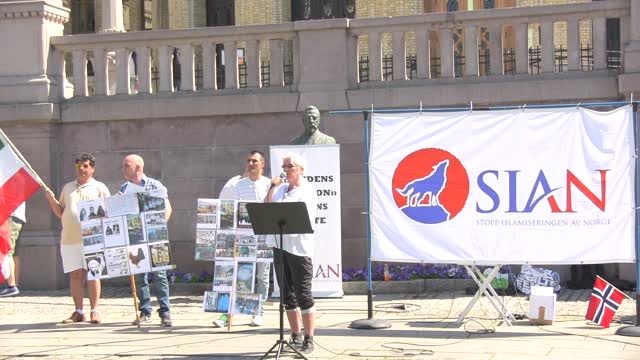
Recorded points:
(135, 298)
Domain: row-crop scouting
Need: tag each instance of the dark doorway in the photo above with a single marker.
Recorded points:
(220, 13)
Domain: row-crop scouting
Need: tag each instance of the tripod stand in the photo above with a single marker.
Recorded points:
(280, 218)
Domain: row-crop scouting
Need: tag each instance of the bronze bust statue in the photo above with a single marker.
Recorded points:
(311, 135)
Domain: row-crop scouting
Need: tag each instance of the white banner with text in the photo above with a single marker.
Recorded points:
(542, 186)
(323, 173)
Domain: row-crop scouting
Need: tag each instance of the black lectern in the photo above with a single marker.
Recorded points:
(280, 218)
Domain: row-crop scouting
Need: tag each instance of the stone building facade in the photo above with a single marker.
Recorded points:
(196, 138)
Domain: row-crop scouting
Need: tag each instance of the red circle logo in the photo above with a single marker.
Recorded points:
(430, 186)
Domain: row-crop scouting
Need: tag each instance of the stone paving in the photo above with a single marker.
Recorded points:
(423, 327)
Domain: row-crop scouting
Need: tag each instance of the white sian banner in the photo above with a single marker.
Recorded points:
(543, 186)
(323, 173)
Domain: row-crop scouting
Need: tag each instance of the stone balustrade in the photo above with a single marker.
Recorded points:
(155, 49)
(442, 26)
(320, 45)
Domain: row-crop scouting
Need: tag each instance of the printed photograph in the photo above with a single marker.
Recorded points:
(224, 300)
(205, 237)
(246, 245)
(227, 214)
(139, 261)
(96, 266)
(208, 206)
(93, 243)
(264, 243)
(117, 261)
(91, 209)
(264, 255)
(160, 255)
(114, 232)
(223, 275)
(155, 234)
(134, 230)
(155, 218)
(246, 304)
(245, 277)
(205, 252)
(207, 221)
(90, 228)
(243, 216)
(209, 301)
(148, 202)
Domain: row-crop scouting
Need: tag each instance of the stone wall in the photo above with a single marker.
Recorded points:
(193, 157)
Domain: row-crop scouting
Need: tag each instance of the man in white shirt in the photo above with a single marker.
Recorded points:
(253, 187)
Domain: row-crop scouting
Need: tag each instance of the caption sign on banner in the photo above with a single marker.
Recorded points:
(323, 173)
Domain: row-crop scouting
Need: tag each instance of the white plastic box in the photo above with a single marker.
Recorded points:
(542, 302)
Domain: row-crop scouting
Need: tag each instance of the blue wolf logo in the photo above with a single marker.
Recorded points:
(431, 185)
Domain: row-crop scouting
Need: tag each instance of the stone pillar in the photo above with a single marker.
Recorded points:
(375, 57)
(324, 76)
(25, 30)
(573, 43)
(422, 53)
(522, 48)
(629, 81)
(31, 87)
(112, 19)
(548, 47)
(495, 49)
(471, 50)
(446, 53)
(399, 56)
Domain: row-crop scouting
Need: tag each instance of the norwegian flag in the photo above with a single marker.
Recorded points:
(605, 301)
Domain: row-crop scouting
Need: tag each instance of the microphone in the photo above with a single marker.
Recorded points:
(282, 176)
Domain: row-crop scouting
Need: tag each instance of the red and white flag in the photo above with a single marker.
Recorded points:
(17, 184)
(605, 301)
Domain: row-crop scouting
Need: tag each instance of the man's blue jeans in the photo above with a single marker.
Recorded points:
(160, 288)
(262, 282)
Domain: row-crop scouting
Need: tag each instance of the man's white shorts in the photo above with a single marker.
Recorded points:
(72, 257)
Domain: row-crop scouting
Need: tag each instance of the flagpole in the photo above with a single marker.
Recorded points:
(30, 169)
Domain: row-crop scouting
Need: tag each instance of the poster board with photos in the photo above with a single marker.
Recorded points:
(224, 235)
(125, 234)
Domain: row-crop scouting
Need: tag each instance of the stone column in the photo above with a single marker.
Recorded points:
(422, 53)
(573, 43)
(629, 81)
(471, 50)
(522, 48)
(399, 56)
(324, 76)
(112, 19)
(31, 88)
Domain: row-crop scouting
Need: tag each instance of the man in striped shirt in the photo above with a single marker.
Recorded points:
(133, 171)
(254, 187)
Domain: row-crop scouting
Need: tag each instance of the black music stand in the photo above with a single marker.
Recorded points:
(280, 218)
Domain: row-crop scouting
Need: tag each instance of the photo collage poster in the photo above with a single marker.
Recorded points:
(224, 235)
(125, 234)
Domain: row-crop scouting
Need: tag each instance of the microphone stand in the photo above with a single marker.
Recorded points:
(281, 343)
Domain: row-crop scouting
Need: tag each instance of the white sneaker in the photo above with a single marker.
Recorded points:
(221, 321)
(257, 320)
